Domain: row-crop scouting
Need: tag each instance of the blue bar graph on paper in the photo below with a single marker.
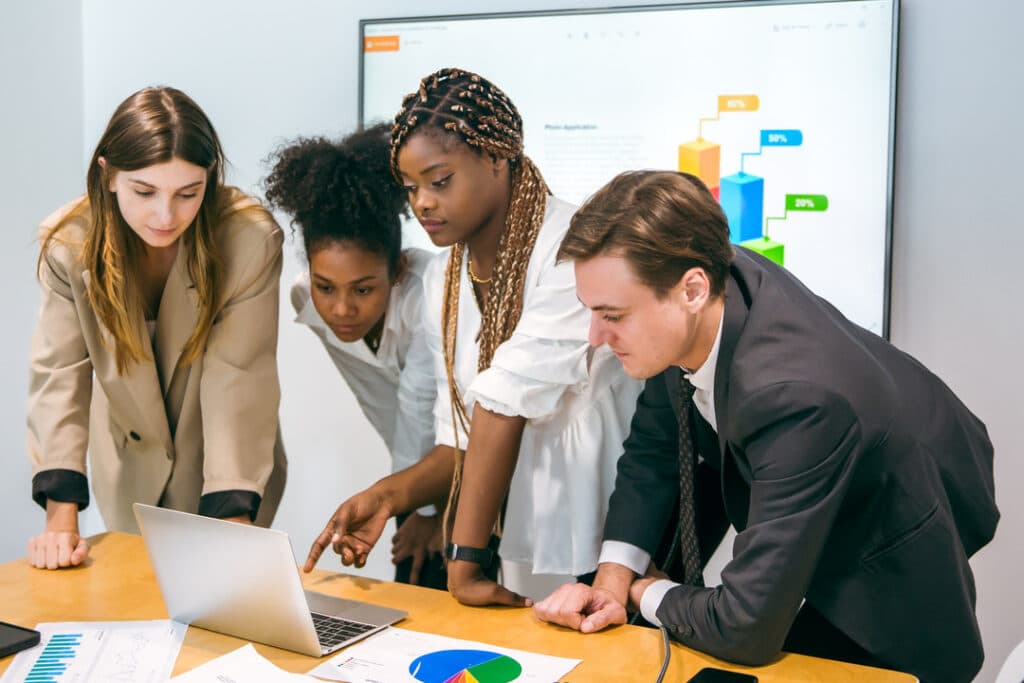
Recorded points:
(53, 661)
(742, 198)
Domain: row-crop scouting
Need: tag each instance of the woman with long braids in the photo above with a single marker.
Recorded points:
(526, 409)
(157, 334)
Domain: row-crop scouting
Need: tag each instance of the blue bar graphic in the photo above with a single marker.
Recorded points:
(53, 661)
(742, 198)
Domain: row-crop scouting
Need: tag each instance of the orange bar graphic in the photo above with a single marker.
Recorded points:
(380, 44)
(702, 159)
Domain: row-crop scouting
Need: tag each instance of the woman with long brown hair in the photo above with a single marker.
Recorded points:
(527, 412)
(155, 346)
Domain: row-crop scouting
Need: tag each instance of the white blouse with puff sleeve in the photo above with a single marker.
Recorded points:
(394, 387)
(578, 403)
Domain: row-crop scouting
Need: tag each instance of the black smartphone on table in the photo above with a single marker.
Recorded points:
(711, 675)
(16, 638)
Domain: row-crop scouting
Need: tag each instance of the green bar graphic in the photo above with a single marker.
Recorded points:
(767, 247)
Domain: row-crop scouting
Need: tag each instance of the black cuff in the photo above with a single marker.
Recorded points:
(63, 486)
(222, 504)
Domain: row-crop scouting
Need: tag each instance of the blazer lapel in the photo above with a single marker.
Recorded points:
(733, 319)
(140, 381)
(176, 320)
(735, 492)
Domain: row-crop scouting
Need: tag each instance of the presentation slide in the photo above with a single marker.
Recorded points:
(783, 110)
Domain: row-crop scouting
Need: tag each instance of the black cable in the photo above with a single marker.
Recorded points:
(664, 632)
(668, 655)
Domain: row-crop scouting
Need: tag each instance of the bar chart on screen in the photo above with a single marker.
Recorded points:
(100, 652)
(742, 194)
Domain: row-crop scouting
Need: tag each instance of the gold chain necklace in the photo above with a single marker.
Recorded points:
(472, 275)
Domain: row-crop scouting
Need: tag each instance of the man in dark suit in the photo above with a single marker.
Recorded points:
(858, 483)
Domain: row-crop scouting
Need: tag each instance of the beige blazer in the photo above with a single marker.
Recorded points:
(163, 434)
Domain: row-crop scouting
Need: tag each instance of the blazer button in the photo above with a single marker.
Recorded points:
(135, 437)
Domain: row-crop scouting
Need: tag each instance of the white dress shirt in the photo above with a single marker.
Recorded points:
(637, 559)
(577, 402)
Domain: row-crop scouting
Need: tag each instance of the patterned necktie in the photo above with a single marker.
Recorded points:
(692, 573)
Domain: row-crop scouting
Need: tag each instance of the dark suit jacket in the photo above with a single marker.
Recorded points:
(854, 476)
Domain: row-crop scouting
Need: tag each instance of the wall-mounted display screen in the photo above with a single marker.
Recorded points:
(785, 110)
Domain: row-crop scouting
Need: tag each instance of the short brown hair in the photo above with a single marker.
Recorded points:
(663, 223)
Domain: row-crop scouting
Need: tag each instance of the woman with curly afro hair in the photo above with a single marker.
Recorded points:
(363, 296)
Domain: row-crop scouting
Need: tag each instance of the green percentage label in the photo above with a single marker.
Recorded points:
(798, 202)
(806, 202)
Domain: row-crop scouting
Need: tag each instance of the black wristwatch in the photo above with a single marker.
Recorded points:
(481, 556)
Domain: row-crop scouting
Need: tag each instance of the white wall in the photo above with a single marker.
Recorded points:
(957, 241)
(266, 71)
(40, 169)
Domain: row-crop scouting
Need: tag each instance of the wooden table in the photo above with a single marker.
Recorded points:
(117, 583)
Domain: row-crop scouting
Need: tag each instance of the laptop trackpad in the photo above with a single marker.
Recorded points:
(351, 609)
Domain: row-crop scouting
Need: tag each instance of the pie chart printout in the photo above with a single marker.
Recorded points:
(465, 666)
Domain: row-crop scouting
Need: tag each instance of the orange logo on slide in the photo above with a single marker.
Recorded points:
(380, 44)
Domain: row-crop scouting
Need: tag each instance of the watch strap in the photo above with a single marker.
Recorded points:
(481, 556)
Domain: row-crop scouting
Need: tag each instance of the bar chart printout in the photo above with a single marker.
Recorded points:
(100, 652)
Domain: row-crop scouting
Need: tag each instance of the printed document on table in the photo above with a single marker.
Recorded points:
(100, 652)
(241, 666)
(396, 655)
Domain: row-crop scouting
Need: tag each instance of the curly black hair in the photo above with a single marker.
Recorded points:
(341, 192)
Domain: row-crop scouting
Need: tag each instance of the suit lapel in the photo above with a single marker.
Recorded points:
(140, 381)
(737, 305)
(176, 319)
(735, 491)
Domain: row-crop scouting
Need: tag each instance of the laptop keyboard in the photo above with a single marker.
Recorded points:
(333, 630)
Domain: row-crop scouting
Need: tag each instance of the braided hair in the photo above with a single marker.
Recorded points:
(481, 115)
(341, 192)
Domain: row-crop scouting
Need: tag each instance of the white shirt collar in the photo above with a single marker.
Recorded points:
(703, 378)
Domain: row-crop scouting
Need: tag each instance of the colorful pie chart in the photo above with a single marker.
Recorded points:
(465, 666)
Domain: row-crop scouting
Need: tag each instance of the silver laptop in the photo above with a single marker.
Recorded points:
(242, 580)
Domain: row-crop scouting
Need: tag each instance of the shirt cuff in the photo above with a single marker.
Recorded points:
(62, 486)
(652, 597)
(427, 511)
(626, 554)
(222, 504)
